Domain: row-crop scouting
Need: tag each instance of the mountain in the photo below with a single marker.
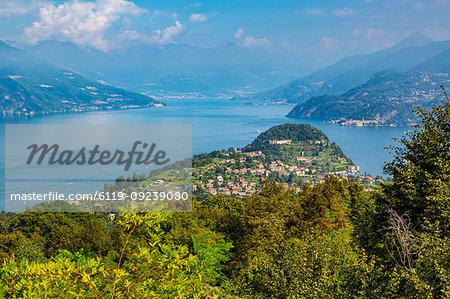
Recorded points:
(181, 70)
(400, 55)
(29, 85)
(414, 40)
(439, 63)
(352, 71)
(386, 99)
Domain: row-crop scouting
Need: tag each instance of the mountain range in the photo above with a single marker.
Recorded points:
(416, 53)
(180, 71)
(29, 85)
(59, 76)
(388, 98)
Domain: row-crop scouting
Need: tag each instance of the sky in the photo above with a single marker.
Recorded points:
(296, 27)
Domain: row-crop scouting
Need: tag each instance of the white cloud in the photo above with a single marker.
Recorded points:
(329, 43)
(372, 33)
(84, 23)
(369, 33)
(166, 36)
(314, 11)
(248, 41)
(15, 8)
(344, 12)
(194, 5)
(161, 37)
(134, 35)
(198, 18)
(156, 13)
(327, 39)
(239, 33)
(254, 42)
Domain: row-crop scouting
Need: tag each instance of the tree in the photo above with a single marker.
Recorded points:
(421, 170)
(408, 228)
(150, 268)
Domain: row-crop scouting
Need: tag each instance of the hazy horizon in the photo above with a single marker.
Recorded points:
(298, 36)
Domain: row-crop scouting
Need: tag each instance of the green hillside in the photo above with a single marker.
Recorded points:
(388, 98)
(31, 86)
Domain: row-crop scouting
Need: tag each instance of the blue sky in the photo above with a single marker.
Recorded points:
(296, 27)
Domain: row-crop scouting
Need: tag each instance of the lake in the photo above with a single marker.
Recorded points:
(223, 124)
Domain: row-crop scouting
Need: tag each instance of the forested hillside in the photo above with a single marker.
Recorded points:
(386, 99)
(29, 85)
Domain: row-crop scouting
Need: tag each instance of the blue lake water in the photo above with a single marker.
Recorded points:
(221, 124)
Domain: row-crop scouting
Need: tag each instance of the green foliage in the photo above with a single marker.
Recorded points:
(407, 228)
(312, 267)
(156, 269)
(56, 231)
(294, 132)
(387, 97)
(421, 169)
(332, 240)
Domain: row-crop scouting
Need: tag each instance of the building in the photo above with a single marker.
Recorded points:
(303, 159)
(287, 141)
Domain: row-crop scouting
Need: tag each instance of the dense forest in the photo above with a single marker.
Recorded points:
(294, 132)
(333, 240)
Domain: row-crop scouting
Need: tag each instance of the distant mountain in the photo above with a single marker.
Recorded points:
(414, 40)
(29, 85)
(352, 71)
(439, 63)
(180, 70)
(388, 98)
